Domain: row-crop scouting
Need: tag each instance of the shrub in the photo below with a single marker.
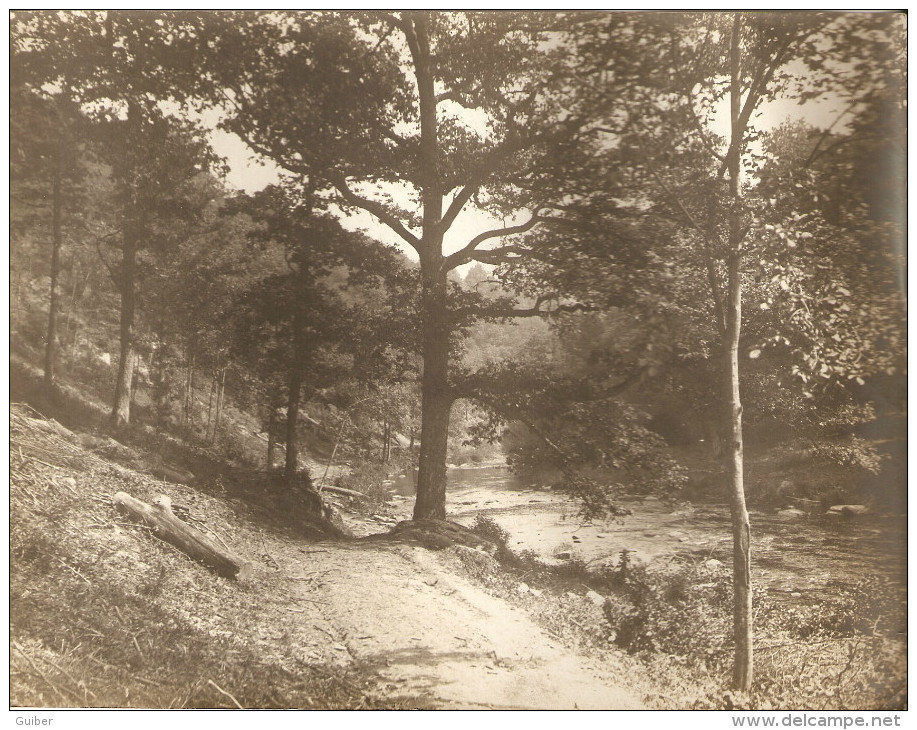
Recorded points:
(685, 613)
(490, 529)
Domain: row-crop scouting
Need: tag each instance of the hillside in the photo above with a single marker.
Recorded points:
(103, 614)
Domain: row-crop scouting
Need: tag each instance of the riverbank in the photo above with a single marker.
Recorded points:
(799, 558)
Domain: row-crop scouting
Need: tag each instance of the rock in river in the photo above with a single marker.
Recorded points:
(848, 510)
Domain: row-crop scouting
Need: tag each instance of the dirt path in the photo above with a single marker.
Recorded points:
(430, 632)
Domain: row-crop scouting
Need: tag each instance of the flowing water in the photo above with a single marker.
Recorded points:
(802, 559)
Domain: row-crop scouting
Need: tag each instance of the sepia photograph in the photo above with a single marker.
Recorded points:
(458, 360)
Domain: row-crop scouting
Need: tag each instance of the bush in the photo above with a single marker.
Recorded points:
(685, 613)
(525, 564)
(490, 529)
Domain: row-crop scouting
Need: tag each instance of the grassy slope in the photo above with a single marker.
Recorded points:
(103, 614)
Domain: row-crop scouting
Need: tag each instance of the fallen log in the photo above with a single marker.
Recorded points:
(342, 490)
(188, 539)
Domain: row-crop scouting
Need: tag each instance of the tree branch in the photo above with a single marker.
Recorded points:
(455, 207)
(337, 179)
(708, 145)
(456, 95)
(501, 255)
(513, 144)
(816, 152)
(756, 91)
(389, 18)
(465, 254)
(536, 310)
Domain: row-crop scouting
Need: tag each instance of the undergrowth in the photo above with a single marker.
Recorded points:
(843, 652)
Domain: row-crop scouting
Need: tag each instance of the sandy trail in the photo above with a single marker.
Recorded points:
(432, 633)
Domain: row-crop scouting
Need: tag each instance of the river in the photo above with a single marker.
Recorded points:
(800, 559)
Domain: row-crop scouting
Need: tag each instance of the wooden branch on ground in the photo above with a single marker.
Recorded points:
(186, 538)
(341, 490)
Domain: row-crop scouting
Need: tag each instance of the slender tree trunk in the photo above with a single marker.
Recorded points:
(386, 441)
(292, 458)
(68, 322)
(56, 210)
(189, 393)
(133, 226)
(213, 387)
(74, 336)
(18, 289)
(159, 380)
(121, 411)
(741, 528)
(221, 402)
(135, 379)
(219, 384)
(271, 436)
(188, 404)
(714, 440)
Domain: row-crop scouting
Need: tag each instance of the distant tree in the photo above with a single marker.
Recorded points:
(316, 321)
(118, 66)
(186, 298)
(47, 171)
(162, 190)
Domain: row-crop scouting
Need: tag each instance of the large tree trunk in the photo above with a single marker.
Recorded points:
(292, 460)
(741, 529)
(436, 404)
(56, 210)
(436, 398)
